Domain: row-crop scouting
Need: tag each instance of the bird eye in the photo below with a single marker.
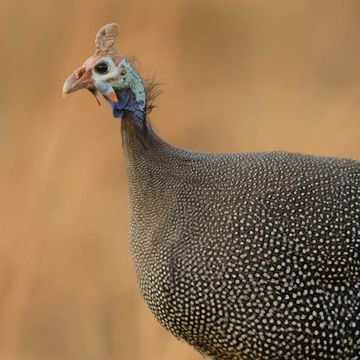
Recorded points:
(101, 68)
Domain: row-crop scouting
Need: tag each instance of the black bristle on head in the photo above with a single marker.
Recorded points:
(152, 88)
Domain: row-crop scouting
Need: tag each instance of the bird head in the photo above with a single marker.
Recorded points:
(109, 73)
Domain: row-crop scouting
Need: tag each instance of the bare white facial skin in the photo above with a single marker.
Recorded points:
(107, 75)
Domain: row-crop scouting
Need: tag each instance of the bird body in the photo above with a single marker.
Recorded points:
(248, 256)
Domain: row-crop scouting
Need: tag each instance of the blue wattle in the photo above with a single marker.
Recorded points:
(127, 102)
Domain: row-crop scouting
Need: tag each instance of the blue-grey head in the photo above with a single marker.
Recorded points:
(109, 73)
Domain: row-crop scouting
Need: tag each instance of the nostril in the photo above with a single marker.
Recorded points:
(79, 73)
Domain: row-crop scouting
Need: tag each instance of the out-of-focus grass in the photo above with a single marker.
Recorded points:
(238, 75)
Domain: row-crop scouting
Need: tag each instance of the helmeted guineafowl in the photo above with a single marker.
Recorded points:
(244, 256)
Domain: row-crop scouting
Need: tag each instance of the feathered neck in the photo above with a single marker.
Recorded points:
(139, 139)
(149, 161)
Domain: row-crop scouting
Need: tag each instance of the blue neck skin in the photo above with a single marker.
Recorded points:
(128, 103)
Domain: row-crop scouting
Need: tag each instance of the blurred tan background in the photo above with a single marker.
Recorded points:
(238, 76)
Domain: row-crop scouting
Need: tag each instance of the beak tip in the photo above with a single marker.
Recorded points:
(66, 89)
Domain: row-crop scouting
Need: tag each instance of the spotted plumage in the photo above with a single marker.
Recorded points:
(251, 256)
(248, 256)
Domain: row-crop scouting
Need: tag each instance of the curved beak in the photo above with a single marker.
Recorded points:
(72, 84)
(78, 80)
